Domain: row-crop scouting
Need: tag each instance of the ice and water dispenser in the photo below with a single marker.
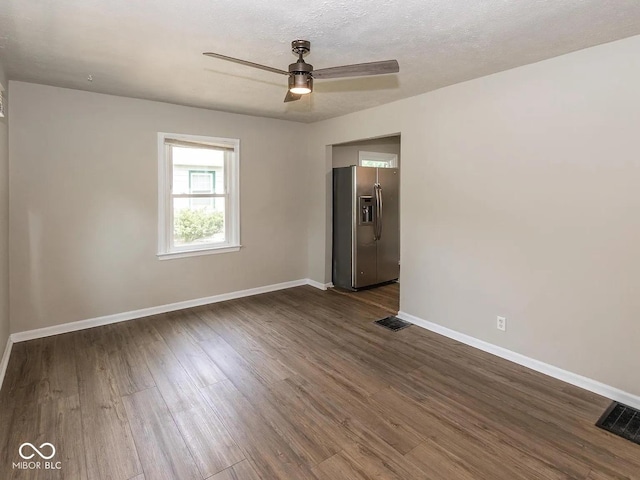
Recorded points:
(366, 209)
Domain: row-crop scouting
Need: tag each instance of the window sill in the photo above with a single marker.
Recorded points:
(195, 253)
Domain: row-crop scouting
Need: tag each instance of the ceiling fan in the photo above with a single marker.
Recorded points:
(301, 73)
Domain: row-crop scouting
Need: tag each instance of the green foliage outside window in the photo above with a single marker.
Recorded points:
(194, 224)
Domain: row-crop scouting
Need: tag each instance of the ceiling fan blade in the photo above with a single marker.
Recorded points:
(244, 62)
(291, 97)
(358, 70)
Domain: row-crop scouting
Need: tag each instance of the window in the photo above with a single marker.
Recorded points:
(377, 159)
(198, 195)
(202, 182)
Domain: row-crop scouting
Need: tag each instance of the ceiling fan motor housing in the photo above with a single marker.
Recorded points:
(300, 67)
(300, 73)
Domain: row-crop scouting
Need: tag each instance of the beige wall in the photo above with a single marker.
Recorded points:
(346, 155)
(4, 222)
(520, 198)
(83, 227)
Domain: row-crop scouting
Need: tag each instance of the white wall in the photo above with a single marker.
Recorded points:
(521, 197)
(4, 222)
(348, 154)
(83, 219)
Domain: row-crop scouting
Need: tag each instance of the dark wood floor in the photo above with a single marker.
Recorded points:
(297, 384)
(386, 297)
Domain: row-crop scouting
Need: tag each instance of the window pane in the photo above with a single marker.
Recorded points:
(375, 163)
(197, 170)
(198, 221)
(202, 182)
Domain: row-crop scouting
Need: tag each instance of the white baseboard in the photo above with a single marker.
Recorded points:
(145, 312)
(321, 286)
(5, 360)
(550, 370)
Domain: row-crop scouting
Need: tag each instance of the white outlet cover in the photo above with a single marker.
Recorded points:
(502, 324)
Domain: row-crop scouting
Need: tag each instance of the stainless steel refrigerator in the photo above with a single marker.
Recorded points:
(366, 226)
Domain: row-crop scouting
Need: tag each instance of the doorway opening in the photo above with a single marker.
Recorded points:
(366, 220)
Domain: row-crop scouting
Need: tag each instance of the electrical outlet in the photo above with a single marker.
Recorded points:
(502, 324)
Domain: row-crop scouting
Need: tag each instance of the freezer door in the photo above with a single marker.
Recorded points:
(388, 243)
(364, 255)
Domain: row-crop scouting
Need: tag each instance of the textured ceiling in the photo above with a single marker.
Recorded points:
(153, 49)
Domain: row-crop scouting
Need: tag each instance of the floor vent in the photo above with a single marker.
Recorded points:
(622, 421)
(393, 323)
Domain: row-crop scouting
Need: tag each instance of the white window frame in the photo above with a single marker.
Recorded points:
(166, 249)
(390, 158)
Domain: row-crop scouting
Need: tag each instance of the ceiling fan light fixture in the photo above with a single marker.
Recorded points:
(300, 83)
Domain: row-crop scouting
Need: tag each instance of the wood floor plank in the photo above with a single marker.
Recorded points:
(129, 369)
(210, 443)
(552, 395)
(330, 434)
(193, 324)
(271, 313)
(172, 380)
(60, 424)
(57, 422)
(352, 408)
(29, 374)
(468, 445)
(342, 467)
(507, 418)
(109, 446)
(263, 361)
(272, 457)
(595, 475)
(436, 462)
(304, 433)
(142, 330)
(111, 337)
(195, 361)
(386, 296)
(39, 400)
(162, 450)
(475, 438)
(305, 329)
(59, 377)
(235, 367)
(375, 458)
(18, 402)
(240, 471)
(302, 355)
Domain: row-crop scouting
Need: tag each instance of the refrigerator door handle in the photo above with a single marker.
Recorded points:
(377, 188)
(375, 213)
(379, 211)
